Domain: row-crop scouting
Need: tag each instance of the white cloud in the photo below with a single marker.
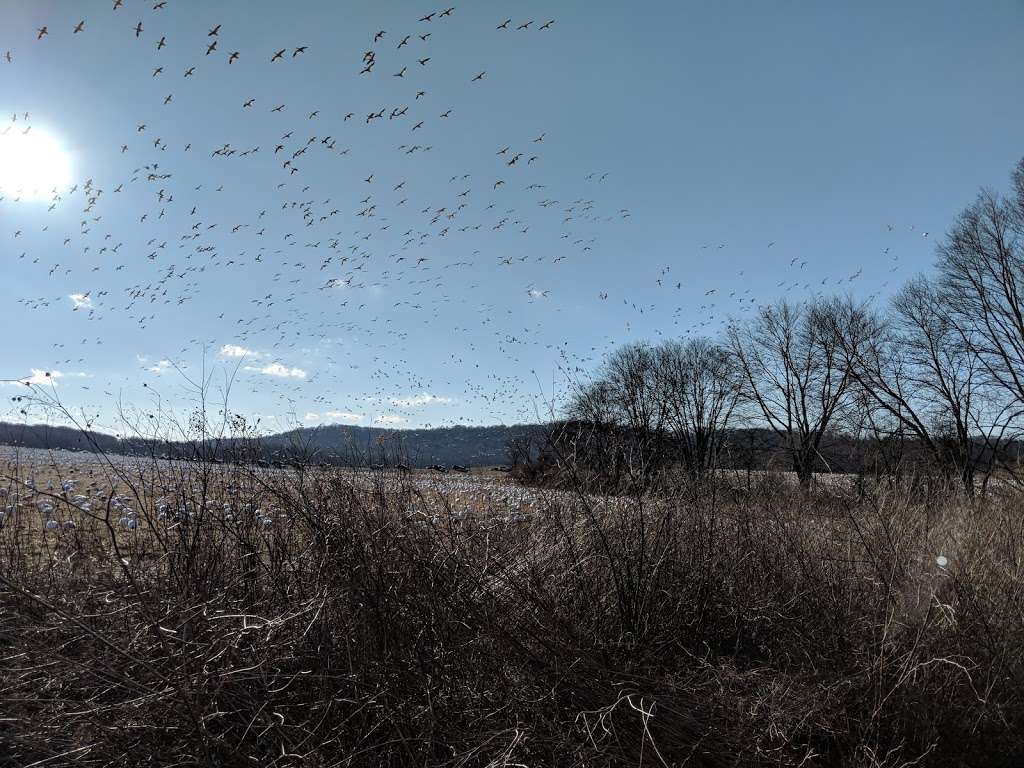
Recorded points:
(278, 370)
(81, 300)
(388, 419)
(343, 416)
(233, 350)
(333, 417)
(160, 367)
(40, 378)
(418, 400)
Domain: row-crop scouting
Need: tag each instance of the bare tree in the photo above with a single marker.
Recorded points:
(625, 400)
(795, 375)
(699, 388)
(982, 267)
(920, 370)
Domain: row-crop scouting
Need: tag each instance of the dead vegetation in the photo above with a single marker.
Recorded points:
(339, 618)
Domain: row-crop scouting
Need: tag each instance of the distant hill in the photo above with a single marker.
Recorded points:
(468, 446)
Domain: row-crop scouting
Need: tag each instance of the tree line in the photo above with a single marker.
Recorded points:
(940, 367)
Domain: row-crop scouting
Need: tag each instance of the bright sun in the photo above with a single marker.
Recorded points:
(32, 165)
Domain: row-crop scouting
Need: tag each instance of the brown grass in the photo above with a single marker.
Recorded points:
(374, 621)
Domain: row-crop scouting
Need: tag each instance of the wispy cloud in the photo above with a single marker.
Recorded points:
(278, 370)
(333, 417)
(81, 300)
(234, 350)
(389, 419)
(40, 378)
(417, 400)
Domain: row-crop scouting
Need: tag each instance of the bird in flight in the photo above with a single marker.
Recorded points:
(479, 77)
(429, 16)
(547, 25)
(300, 49)
(504, 24)
(42, 31)
(213, 32)
(233, 57)
(277, 56)
(79, 26)
(162, 43)
(138, 29)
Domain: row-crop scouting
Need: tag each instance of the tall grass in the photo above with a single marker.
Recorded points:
(373, 618)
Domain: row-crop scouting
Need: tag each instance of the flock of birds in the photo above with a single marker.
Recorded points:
(184, 211)
(61, 496)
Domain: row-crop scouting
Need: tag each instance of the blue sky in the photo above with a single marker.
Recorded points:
(752, 150)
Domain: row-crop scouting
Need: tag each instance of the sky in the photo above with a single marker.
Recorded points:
(676, 165)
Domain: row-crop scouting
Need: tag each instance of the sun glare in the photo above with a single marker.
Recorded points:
(32, 165)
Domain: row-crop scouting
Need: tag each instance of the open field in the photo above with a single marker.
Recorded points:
(220, 615)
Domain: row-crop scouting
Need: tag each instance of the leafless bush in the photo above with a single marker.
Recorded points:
(352, 617)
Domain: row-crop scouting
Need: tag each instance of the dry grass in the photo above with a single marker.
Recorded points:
(365, 618)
